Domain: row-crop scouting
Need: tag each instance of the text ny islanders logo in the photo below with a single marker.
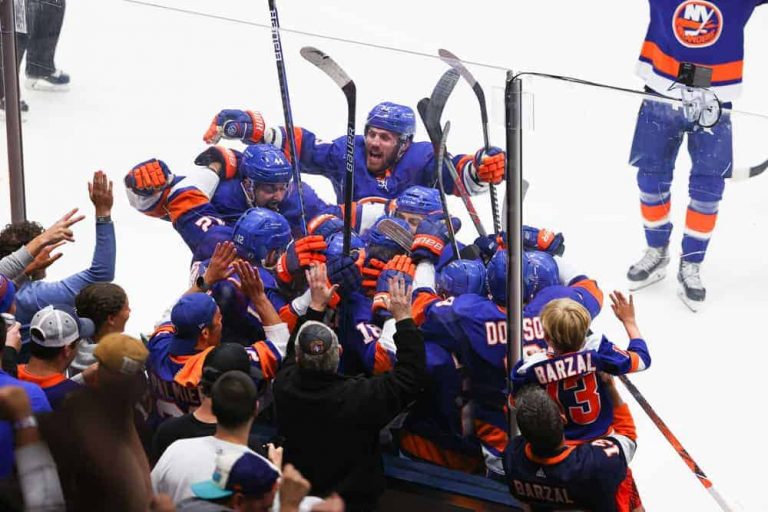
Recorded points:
(697, 23)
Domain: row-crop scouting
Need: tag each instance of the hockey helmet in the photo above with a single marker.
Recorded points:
(461, 276)
(259, 231)
(394, 118)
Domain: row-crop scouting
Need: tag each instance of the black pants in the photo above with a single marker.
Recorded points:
(44, 20)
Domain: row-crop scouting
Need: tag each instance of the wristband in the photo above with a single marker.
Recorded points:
(28, 422)
(103, 219)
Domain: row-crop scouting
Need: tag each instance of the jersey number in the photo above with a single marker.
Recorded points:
(496, 332)
(370, 332)
(205, 223)
(581, 391)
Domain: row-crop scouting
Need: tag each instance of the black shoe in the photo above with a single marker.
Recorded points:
(56, 81)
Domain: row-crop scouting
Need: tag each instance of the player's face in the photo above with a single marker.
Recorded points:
(413, 219)
(269, 195)
(381, 148)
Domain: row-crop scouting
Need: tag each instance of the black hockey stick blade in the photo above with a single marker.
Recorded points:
(448, 221)
(745, 173)
(396, 233)
(328, 66)
(439, 98)
(453, 61)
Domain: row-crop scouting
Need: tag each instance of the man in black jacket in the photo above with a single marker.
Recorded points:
(331, 422)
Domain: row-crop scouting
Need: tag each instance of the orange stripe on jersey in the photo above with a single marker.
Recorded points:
(424, 449)
(655, 213)
(190, 373)
(288, 316)
(382, 363)
(420, 305)
(161, 207)
(627, 496)
(185, 201)
(164, 328)
(547, 461)
(623, 422)
(460, 168)
(590, 285)
(298, 134)
(267, 359)
(634, 362)
(701, 222)
(491, 435)
(670, 66)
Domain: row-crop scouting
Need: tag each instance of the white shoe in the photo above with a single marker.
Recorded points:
(651, 268)
(58, 81)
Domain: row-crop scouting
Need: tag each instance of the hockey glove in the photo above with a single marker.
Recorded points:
(246, 125)
(325, 225)
(543, 240)
(431, 237)
(301, 253)
(399, 265)
(370, 272)
(490, 165)
(148, 177)
(345, 271)
(228, 160)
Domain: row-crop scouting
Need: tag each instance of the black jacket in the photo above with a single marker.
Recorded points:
(331, 422)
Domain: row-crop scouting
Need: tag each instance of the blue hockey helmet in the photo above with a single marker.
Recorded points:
(335, 244)
(264, 163)
(418, 200)
(496, 277)
(539, 271)
(260, 231)
(461, 276)
(394, 118)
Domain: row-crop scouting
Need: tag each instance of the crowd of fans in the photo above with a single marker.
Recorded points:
(297, 356)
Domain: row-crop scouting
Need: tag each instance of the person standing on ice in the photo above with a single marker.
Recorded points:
(709, 33)
(387, 160)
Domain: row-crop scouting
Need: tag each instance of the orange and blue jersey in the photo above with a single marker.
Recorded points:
(56, 387)
(174, 368)
(705, 32)
(592, 476)
(581, 289)
(415, 167)
(572, 380)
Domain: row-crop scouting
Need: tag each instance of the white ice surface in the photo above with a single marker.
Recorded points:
(146, 81)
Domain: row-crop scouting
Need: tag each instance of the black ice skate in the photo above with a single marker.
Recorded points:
(58, 81)
(692, 291)
(651, 268)
(22, 106)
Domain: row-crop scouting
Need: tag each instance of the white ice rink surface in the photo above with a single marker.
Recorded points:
(146, 82)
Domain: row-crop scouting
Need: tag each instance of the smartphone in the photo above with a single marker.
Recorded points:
(9, 319)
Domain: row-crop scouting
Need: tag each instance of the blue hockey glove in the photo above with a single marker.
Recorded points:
(228, 159)
(325, 225)
(431, 237)
(543, 240)
(148, 177)
(400, 265)
(246, 125)
(345, 271)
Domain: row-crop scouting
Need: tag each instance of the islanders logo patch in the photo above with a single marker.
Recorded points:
(697, 23)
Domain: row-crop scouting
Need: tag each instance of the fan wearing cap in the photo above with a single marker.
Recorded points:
(54, 332)
(178, 348)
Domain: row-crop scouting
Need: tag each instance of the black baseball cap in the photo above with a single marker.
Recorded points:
(315, 338)
(224, 358)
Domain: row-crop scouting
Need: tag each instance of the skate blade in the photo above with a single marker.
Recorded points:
(43, 86)
(693, 305)
(652, 279)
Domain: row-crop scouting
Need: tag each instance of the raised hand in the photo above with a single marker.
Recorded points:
(400, 298)
(399, 267)
(246, 125)
(320, 289)
(100, 192)
(223, 161)
(625, 311)
(250, 281)
(44, 258)
(60, 231)
(490, 165)
(220, 266)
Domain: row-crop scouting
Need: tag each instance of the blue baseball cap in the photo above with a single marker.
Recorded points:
(246, 473)
(7, 293)
(192, 313)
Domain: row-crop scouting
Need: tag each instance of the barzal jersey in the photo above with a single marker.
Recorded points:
(705, 32)
(593, 476)
(415, 167)
(573, 382)
(174, 375)
(581, 289)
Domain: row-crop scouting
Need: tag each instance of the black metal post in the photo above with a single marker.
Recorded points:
(12, 111)
(514, 225)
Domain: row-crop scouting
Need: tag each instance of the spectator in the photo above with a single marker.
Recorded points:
(331, 422)
(106, 304)
(37, 476)
(545, 473)
(186, 461)
(34, 294)
(201, 422)
(55, 332)
(241, 482)
(94, 441)
(38, 403)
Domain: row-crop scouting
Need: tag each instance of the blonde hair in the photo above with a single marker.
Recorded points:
(565, 323)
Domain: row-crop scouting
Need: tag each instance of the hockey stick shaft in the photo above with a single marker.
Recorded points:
(338, 75)
(675, 442)
(286, 100)
(453, 61)
(440, 151)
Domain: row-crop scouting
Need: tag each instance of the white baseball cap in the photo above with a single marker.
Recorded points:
(58, 326)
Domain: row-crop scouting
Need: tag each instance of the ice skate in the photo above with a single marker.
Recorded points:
(22, 105)
(691, 291)
(651, 268)
(58, 81)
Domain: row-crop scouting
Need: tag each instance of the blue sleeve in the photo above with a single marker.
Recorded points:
(616, 361)
(328, 159)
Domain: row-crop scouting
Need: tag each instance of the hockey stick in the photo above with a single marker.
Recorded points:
(666, 432)
(396, 233)
(440, 151)
(278, 46)
(333, 70)
(458, 183)
(453, 61)
(745, 173)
